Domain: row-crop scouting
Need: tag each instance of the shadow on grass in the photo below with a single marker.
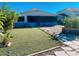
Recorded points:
(33, 26)
(1, 45)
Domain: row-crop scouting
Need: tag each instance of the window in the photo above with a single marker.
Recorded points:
(21, 19)
(42, 19)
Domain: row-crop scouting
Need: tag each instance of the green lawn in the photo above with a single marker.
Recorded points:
(27, 41)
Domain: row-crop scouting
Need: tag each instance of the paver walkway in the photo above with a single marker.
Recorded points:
(71, 48)
(53, 30)
(60, 53)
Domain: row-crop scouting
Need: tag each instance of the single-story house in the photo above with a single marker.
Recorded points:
(68, 12)
(36, 17)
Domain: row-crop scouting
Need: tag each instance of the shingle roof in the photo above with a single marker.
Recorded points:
(37, 10)
(73, 9)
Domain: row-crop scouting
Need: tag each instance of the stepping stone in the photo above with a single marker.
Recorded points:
(60, 53)
(69, 51)
(72, 53)
(67, 48)
(76, 42)
(68, 43)
(74, 46)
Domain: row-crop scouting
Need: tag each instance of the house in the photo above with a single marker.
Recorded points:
(68, 12)
(36, 17)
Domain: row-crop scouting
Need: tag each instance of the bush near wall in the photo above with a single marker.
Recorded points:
(72, 23)
(71, 26)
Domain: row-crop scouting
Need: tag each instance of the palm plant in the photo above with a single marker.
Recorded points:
(10, 18)
(7, 19)
(1, 19)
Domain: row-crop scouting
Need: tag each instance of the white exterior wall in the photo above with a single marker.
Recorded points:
(25, 18)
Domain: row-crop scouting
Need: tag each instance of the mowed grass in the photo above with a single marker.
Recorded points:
(27, 41)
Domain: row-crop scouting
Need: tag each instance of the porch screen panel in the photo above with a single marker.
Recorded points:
(41, 19)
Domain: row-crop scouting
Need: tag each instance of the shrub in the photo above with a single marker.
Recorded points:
(6, 39)
(71, 22)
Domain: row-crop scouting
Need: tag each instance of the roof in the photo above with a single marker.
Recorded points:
(35, 10)
(69, 9)
(71, 12)
(73, 9)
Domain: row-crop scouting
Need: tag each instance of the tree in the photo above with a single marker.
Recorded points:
(7, 19)
(1, 19)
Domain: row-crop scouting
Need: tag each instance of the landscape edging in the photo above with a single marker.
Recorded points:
(43, 51)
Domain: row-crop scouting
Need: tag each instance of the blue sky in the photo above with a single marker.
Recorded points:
(51, 7)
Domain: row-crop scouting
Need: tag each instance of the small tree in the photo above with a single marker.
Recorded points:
(7, 19)
(1, 19)
(10, 18)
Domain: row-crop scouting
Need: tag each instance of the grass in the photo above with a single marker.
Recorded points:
(27, 41)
